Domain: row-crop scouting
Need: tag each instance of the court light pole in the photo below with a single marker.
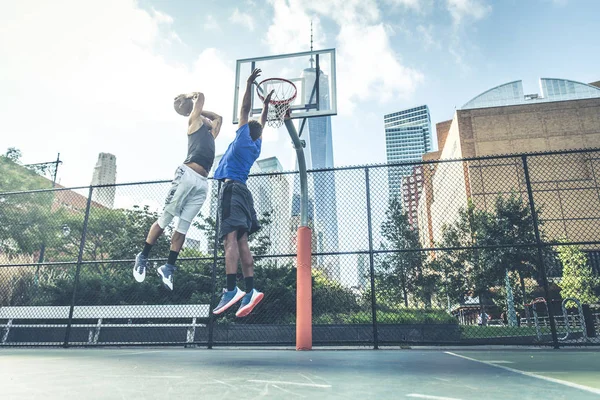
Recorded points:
(303, 243)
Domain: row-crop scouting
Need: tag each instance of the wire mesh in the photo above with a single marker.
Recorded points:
(447, 252)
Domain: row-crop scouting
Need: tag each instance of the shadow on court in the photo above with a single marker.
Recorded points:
(282, 374)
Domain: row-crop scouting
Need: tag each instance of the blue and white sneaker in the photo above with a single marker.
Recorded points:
(228, 299)
(249, 301)
(139, 268)
(166, 273)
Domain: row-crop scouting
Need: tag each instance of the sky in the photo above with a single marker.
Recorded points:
(81, 77)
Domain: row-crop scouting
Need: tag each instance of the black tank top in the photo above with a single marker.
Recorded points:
(201, 148)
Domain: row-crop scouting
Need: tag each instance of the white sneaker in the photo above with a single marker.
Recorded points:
(139, 268)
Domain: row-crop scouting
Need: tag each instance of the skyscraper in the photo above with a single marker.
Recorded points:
(271, 195)
(105, 173)
(319, 154)
(213, 191)
(407, 137)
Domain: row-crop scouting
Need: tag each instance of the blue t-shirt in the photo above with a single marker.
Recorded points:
(239, 157)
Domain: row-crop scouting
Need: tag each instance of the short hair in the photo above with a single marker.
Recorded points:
(255, 129)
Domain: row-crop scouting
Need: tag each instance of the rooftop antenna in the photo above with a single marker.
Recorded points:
(311, 44)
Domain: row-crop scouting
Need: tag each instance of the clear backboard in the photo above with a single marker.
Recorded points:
(304, 70)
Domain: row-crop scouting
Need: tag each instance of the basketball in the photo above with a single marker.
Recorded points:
(183, 105)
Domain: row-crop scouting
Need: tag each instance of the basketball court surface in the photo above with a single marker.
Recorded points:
(164, 373)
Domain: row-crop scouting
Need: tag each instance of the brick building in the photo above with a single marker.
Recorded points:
(503, 120)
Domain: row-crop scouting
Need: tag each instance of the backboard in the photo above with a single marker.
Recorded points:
(304, 70)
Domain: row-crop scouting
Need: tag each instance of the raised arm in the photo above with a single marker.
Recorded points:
(215, 122)
(198, 99)
(265, 110)
(247, 101)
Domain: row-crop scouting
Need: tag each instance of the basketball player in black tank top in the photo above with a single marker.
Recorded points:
(188, 189)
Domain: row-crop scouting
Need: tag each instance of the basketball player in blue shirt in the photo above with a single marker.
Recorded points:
(236, 207)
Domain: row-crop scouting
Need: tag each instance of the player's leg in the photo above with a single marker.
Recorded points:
(231, 220)
(169, 211)
(166, 271)
(232, 294)
(193, 197)
(253, 296)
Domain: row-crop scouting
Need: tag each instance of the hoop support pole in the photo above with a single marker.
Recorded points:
(304, 244)
(304, 290)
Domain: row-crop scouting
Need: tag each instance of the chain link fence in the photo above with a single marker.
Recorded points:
(495, 250)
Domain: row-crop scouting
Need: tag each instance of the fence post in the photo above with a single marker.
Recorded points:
(371, 262)
(214, 272)
(78, 270)
(540, 254)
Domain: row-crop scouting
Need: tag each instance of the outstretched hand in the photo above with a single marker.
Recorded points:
(255, 74)
(268, 98)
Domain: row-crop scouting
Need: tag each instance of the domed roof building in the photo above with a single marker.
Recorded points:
(511, 93)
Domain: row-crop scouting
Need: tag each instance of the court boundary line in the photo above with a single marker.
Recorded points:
(426, 396)
(530, 374)
(316, 385)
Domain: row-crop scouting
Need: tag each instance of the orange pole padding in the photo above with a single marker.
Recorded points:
(304, 291)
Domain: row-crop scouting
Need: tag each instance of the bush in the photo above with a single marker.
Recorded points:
(405, 316)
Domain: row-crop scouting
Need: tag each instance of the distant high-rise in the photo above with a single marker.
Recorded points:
(319, 155)
(407, 137)
(105, 173)
(213, 191)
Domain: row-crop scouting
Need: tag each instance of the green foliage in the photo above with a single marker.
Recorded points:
(13, 154)
(399, 274)
(111, 234)
(15, 177)
(509, 227)
(578, 280)
(461, 269)
(403, 316)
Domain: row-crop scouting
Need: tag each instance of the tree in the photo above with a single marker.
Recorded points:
(400, 271)
(510, 227)
(462, 268)
(23, 216)
(13, 154)
(577, 279)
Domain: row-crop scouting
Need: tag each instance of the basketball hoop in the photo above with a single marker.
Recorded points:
(284, 92)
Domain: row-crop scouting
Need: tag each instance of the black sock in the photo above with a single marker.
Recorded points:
(231, 278)
(172, 257)
(147, 248)
(249, 283)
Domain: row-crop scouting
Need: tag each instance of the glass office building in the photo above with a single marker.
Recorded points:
(407, 137)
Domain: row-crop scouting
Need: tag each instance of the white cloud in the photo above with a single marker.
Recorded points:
(161, 17)
(368, 69)
(93, 79)
(427, 36)
(211, 24)
(243, 19)
(474, 9)
(290, 30)
(415, 5)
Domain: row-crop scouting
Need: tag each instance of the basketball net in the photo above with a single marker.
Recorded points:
(284, 92)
